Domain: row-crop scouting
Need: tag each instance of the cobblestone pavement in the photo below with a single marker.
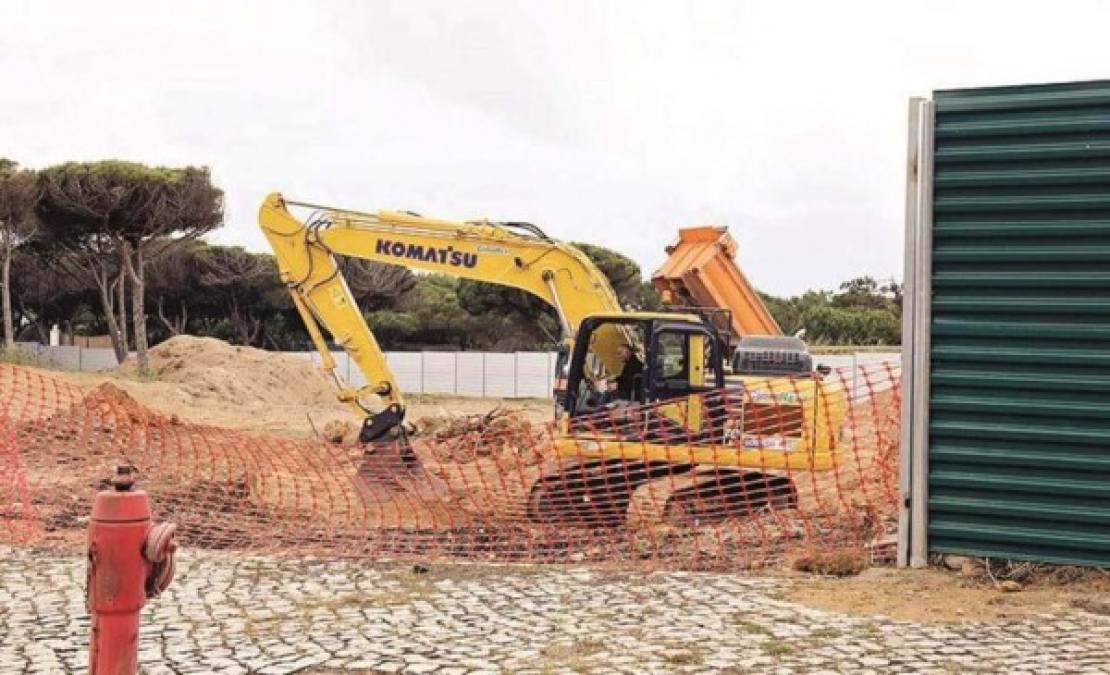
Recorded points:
(232, 614)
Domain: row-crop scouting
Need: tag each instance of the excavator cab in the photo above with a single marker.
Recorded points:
(637, 461)
(640, 359)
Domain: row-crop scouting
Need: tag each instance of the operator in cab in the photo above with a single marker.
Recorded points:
(628, 381)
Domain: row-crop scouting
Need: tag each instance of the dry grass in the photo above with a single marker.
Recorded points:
(685, 655)
(573, 655)
(837, 562)
(993, 571)
(778, 648)
(749, 626)
(825, 634)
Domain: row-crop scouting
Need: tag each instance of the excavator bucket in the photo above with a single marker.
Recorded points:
(390, 467)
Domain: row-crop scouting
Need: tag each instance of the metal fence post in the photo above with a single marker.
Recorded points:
(916, 313)
(923, 286)
(905, 475)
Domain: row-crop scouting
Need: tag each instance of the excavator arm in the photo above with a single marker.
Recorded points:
(517, 255)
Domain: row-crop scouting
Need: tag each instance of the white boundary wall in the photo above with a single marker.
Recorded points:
(493, 374)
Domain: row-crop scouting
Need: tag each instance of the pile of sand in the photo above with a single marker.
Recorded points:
(208, 381)
(207, 368)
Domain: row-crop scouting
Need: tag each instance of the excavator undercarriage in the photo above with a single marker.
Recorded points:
(614, 492)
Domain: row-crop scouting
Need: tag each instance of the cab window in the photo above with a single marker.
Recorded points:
(684, 359)
(670, 358)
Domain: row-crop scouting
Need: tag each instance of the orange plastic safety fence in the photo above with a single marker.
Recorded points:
(729, 478)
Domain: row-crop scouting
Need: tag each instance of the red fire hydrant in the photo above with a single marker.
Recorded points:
(130, 560)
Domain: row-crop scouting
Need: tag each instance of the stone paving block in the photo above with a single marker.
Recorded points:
(545, 621)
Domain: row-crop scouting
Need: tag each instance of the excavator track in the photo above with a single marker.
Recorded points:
(614, 492)
(709, 495)
(593, 493)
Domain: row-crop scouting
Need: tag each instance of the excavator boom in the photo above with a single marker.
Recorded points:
(518, 255)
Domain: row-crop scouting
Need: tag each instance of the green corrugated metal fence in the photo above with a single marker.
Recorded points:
(1019, 407)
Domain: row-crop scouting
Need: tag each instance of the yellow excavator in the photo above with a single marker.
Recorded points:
(702, 446)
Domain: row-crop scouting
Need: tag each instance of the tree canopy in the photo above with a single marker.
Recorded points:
(863, 312)
(236, 295)
(111, 229)
(113, 217)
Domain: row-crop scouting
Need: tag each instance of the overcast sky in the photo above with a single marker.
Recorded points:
(608, 122)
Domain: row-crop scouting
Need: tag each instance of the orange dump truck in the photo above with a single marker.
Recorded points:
(701, 272)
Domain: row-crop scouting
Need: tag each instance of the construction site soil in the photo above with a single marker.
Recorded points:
(209, 381)
(939, 595)
(248, 449)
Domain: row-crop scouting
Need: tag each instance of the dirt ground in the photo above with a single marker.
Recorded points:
(940, 595)
(294, 420)
(208, 381)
